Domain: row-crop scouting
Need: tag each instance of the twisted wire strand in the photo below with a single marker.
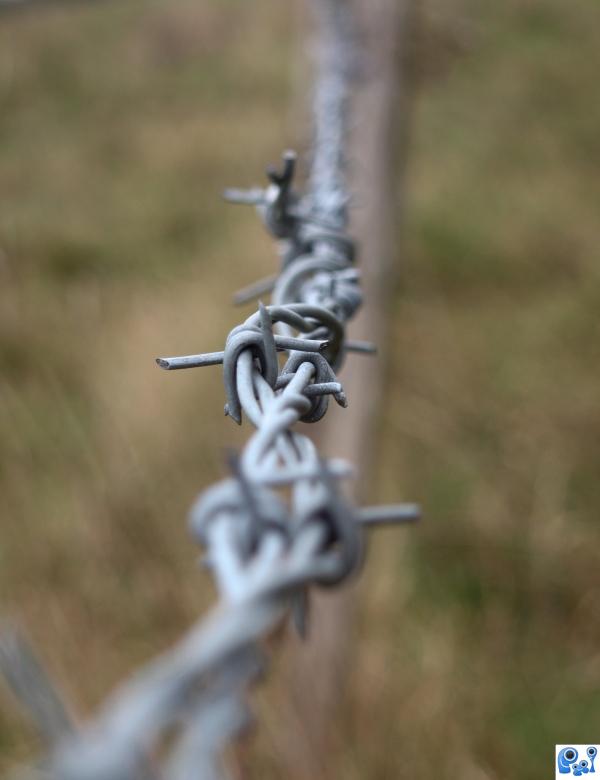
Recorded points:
(263, 552)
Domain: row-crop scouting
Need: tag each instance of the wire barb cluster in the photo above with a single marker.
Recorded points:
(280, 522)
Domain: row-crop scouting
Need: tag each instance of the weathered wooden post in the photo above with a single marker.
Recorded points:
(378, 122)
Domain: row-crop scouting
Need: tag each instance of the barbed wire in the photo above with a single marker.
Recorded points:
(263, 551)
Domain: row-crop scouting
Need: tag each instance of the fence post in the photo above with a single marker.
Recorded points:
(321, 667)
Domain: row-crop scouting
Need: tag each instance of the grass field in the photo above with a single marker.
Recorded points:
(478, 640)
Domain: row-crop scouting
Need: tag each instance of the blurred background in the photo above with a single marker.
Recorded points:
(478, 633)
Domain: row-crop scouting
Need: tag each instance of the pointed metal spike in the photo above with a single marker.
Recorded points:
(252, 291)
(300, 612)
(391, 514)
(251, 197)
(191, 361)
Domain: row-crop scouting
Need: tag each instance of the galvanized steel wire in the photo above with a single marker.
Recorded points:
(280, 523)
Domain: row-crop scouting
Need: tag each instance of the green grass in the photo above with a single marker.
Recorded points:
(119, 125)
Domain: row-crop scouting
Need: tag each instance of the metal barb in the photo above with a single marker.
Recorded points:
(32, 686)
(389, 515)
(255, 290)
